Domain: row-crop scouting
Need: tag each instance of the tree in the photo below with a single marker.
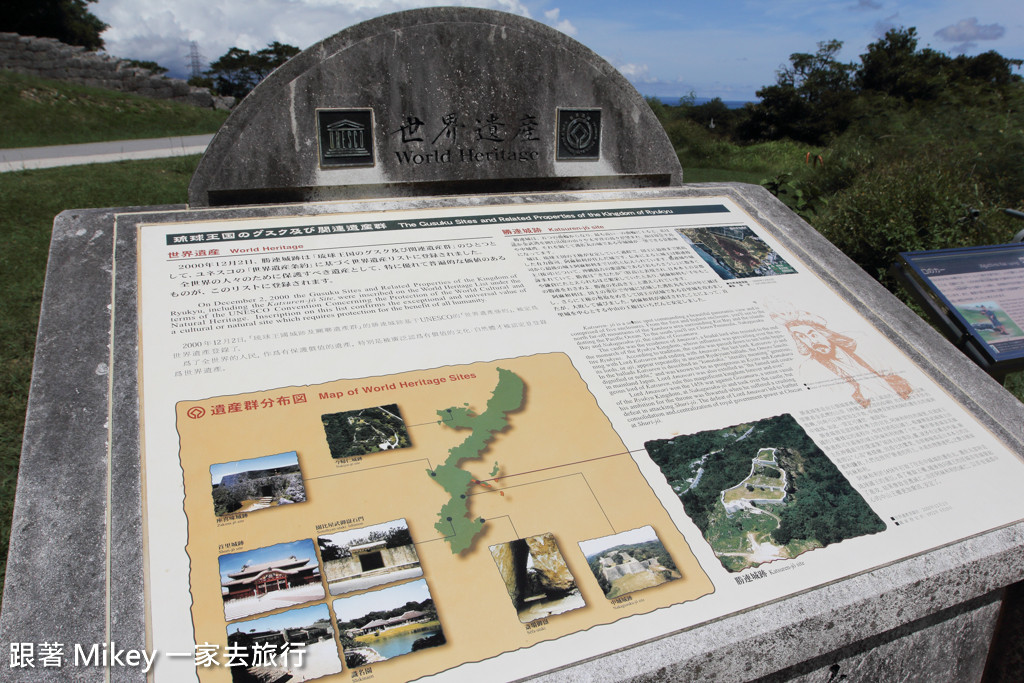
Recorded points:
(149, 65)
(238, 71)
(809, 101)
(895, 67)
(69, 21)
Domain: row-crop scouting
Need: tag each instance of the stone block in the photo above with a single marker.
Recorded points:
(428, 116)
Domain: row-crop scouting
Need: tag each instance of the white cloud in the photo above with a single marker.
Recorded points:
(161, 30)
(969, 30)
(638, 73)
(563, 25)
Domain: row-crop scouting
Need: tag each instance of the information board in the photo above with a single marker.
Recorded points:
(983, 288)
(478, 443)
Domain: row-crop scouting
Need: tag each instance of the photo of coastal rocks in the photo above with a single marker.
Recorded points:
(629, 561)
(762, 491)
(537, 578)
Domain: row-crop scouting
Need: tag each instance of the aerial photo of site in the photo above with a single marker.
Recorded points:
(762, 491)
(734, 251)
(367, 430)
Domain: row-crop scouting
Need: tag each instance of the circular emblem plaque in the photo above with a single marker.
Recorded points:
(579, 134)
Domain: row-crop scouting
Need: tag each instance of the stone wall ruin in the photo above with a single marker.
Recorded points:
(50, 58)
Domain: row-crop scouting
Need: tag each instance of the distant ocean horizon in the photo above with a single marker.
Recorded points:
(674, 101)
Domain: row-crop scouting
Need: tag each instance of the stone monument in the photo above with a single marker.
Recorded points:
(488, 117)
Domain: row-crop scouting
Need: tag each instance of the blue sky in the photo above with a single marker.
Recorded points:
(596, 545)
(233, 562)
(356, 606)
(296, 618)
(267, 462)
(726, 49)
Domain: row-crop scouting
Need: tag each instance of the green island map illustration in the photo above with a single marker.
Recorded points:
(454, 521)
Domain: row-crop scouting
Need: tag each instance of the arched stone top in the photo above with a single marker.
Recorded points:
(436, 101)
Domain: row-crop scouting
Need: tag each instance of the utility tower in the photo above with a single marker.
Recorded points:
(195, 63)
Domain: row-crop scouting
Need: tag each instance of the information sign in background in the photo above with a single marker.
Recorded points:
(983, 287)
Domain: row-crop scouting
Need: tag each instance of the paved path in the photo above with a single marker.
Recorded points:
(24, 158)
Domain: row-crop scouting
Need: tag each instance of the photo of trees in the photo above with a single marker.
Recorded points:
(762, 491)
(364, 431)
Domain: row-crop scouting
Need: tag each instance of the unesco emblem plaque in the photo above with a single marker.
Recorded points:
(579, 134)
(345, 136)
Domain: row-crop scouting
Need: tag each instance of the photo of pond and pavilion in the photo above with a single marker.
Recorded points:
(388, 623)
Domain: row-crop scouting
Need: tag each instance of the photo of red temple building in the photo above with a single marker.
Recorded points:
(260, 579)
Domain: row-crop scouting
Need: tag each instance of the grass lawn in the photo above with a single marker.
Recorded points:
(36, 112)
(29, 200)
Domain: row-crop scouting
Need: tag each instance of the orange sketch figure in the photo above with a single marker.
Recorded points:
(838, 354)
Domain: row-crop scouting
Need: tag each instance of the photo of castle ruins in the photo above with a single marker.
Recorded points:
(762, 491)
(370, 556)
(364, 431)
(537, 578)
(629, 561)
(257, 483)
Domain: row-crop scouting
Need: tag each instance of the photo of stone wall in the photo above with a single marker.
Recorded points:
(629, 561)
(369, 556)
(536, 577)
(257, 484)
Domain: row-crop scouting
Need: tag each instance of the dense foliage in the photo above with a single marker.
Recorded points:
(907, 149)
(238, 71)
(369, 430)
(821, 505)
(69, 21)
(396, 537)
(818, 97)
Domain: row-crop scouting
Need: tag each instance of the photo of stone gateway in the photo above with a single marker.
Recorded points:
(369, 556)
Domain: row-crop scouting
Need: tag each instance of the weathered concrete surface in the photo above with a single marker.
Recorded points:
(463, 101)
